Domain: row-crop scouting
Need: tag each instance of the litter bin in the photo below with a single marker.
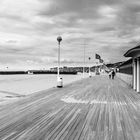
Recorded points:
(59, 82)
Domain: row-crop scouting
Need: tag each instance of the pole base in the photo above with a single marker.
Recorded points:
(59, 86)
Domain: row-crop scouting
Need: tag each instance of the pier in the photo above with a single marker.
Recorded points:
(94, 108)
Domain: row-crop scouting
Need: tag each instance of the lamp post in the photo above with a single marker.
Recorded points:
(59, 79)
(89, 68)
(84, 63)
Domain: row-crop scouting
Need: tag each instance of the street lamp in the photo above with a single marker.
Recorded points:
(89, 68)
(84, 63)
(59, 79)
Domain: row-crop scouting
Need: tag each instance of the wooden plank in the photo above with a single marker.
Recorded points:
(110, 110)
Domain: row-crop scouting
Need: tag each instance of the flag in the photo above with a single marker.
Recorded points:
(97, 56)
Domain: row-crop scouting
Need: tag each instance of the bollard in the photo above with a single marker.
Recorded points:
(59, 82)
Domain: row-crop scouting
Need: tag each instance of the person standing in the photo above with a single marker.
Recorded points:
(113, 74)
(110, 73)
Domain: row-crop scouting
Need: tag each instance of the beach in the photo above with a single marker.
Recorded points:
(14, 87)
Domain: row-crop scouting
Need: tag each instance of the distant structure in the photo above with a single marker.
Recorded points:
(30, 72)
(73, 69)
(114, 65)
(126, 67)
(134, 53)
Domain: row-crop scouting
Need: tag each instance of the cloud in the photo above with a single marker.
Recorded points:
(29, 28)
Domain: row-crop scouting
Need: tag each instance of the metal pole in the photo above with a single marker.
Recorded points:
(89, 72)
(89, 67)
(59, 79)
(58, 73)
(84, 63)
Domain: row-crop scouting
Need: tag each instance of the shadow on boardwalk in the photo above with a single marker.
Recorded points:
(91, 109)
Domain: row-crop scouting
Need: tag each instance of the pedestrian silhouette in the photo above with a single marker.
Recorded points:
(110, 73)
(113, 74)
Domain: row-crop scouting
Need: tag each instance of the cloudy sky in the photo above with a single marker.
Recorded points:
(29, 28)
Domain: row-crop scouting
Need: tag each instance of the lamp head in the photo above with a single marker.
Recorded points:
(59, 39)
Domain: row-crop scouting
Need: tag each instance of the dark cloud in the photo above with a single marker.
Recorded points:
(78, 6)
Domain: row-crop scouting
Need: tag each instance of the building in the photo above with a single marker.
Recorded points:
(73, 69)
(126, 67)
(134, 53)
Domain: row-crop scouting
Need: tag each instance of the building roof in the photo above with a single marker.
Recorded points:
(134, 52)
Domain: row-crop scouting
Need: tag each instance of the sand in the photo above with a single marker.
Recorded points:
(13, 87)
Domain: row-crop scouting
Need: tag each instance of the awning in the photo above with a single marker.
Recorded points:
(134, 52)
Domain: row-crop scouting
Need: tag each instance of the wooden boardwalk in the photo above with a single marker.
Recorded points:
(92, 109)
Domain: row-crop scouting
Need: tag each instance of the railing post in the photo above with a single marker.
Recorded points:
(134, 74)
(138, 74)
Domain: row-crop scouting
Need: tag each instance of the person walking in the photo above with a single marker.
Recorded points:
(110, 73)
(113, 74)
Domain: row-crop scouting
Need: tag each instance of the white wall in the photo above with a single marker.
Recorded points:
(126, 78)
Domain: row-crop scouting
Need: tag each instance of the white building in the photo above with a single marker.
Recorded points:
(134, 53)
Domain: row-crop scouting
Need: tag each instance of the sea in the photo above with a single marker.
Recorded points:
(28, 84)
